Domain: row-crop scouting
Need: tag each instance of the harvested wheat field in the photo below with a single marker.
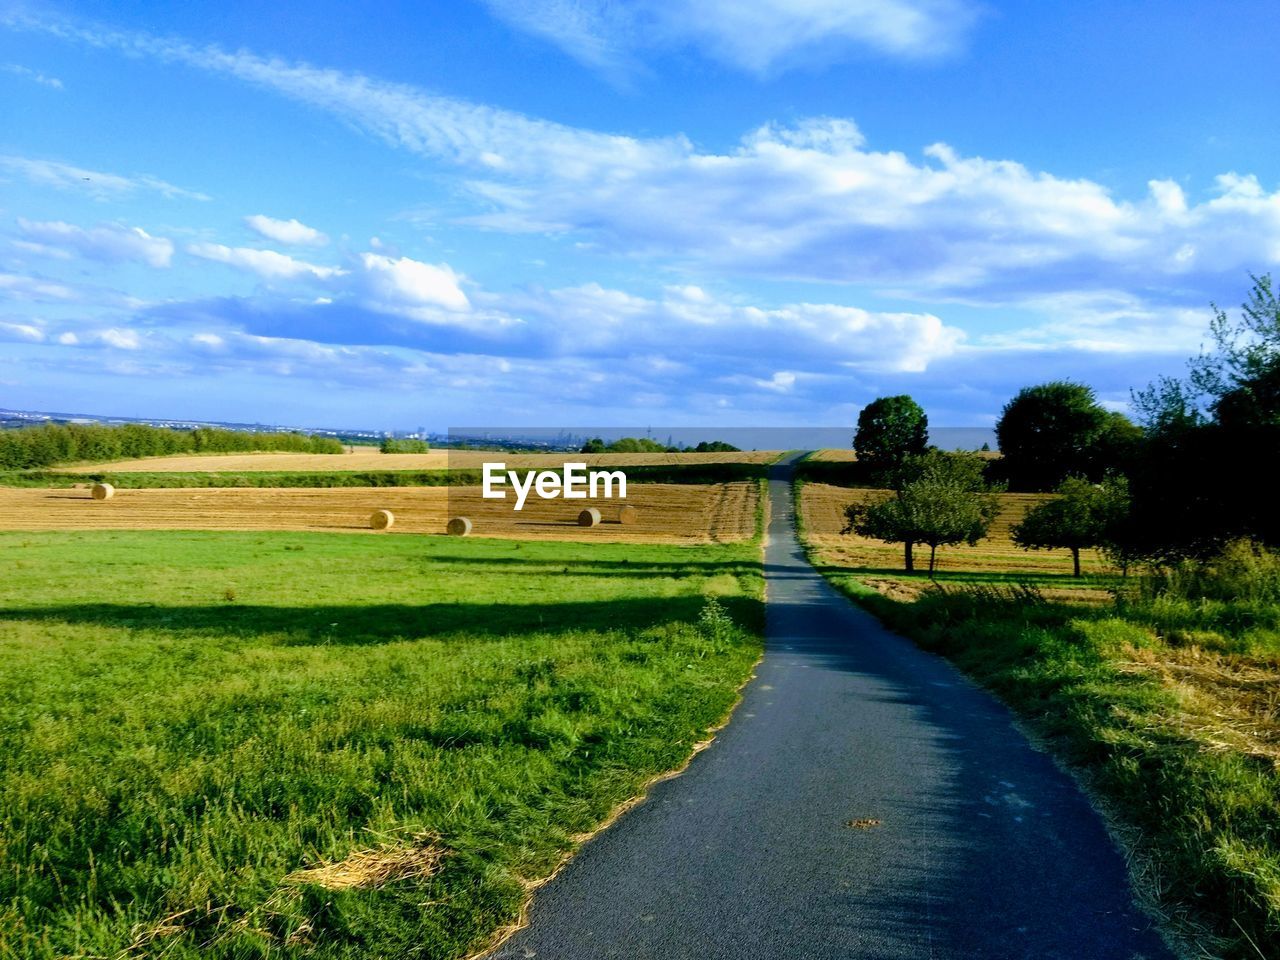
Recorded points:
(435, 460)
(665, 513)
(846, 455)
(834, 455)
(822, 509)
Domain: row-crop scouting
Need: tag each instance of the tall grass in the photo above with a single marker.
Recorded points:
(1203, 810)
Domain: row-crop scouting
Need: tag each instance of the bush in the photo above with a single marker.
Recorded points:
(1243, 571)
(407, 445)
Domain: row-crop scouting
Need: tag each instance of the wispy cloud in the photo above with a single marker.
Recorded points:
(291, 232)
(35, 76)
(753, 35)
(269, 264)
(809, 200)
(108, 242)
(95, 183)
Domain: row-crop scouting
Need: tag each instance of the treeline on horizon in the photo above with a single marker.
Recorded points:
(646, 445)
(1188, 478)
(51, 444)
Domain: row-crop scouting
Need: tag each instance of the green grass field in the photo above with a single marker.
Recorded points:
(187, 721)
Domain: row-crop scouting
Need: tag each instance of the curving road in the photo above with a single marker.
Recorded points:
(982, 848)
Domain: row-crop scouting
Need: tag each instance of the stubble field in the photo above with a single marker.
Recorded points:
(435, 460)
(822, 513)
(665, 513)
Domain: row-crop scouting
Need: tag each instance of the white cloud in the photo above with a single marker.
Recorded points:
(290, 232)
(591, 320)
(35, 76)
(108, 242)
(36, 288)
(755, 35)
(268, 264)
(410, 283)
(102, 186)
(805, 201)
(21, 332)
(119, 338)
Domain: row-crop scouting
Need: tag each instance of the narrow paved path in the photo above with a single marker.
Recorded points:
(982, 848)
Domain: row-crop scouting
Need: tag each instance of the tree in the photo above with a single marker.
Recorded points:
(1198, 481)
(1055, 430)
(714, 446)
(636, 445)
(405, 445)
(940, 499)
(594, 445)
(1083, 515)
(890, 429)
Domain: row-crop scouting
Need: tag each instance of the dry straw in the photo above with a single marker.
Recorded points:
(589, 517)
(628, 514)
(459, 527)
(103, 491)
(382, 519)
(374, 867)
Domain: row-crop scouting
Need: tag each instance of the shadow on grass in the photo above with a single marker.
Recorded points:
(356, 625)
(975, 576)
(580, 567)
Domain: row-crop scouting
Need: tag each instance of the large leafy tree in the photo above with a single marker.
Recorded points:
(1083, 515)
(1058, 429)
(939, 500)
(890, 430)
(1200, 478)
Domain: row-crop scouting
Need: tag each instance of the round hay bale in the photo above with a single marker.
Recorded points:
(459, 527)
(382, 519)
(628, 514)
(589, 517)
(102, 491)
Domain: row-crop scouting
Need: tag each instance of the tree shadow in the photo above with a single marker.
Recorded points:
(370, 624)
(596, 567)
(973, 576)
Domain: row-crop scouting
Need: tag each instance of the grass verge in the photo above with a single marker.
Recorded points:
(1170, 711)
(253, 745)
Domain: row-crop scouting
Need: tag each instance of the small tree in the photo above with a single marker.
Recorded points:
(594, 445)
(1083, 515)
(890, 431)
(406, 445)
(941, 499)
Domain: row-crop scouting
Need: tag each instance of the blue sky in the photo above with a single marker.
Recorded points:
(738, 212)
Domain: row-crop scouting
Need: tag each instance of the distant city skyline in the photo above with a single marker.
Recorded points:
(750, 213)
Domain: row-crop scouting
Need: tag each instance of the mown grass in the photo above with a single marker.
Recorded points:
(187, 720)
(1170, 708)
(693, 473)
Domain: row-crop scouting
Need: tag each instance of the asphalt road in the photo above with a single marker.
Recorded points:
(981, 846)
